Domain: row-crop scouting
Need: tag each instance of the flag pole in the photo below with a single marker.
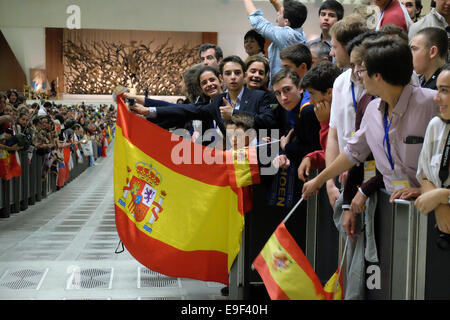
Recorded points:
(340, 269)
(287, 217)
(260, 145)
(292, 211)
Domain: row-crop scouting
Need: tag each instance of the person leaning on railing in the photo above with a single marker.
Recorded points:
(433, 169)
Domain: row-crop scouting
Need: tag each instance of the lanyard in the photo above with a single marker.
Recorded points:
(229, 100)
(355, 105)
(382, 12)
(387, 126)
(443, 170)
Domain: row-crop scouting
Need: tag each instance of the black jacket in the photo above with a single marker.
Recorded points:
(254, 102)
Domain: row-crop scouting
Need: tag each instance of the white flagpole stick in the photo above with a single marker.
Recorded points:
(340, 269)
(260, 145)
(293, 209)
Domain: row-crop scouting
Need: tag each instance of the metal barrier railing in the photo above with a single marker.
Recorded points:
(406, 250)
(17, 194)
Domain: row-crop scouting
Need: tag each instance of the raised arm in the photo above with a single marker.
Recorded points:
(250, 6)
(277, 5)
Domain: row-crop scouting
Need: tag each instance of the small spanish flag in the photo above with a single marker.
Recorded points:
(331, 287)
(245, 169)
(285, 270)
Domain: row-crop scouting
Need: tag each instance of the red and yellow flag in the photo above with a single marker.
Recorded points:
(331, 287)
(9, 165)
(285, 270)
(178, 218)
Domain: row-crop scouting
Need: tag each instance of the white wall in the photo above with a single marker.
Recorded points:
(28, 45)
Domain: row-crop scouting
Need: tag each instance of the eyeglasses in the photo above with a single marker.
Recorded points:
(359, 72)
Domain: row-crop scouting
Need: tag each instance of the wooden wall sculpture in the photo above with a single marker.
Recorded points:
(96, 66)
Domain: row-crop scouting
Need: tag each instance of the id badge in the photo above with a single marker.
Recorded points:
(369, 170)
(400, 182)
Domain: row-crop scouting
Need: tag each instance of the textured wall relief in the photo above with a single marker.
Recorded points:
(96, 67)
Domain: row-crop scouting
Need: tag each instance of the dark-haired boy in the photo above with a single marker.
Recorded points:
(290, 18)
(319, 83)
(303, 138)
(330, 12)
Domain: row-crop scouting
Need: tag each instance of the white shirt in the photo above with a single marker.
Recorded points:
(431, 155)
(342, 114)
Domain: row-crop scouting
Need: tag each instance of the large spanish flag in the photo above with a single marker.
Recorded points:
(285, 270)
(177, 211)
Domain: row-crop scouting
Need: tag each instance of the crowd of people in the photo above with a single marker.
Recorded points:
(368, 103)
(54, 131)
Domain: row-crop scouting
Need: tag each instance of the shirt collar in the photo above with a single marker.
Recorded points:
(433, 77)
(402, 103)
(239, 97)
(439, 16)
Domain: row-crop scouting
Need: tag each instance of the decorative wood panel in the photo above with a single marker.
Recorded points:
(95, 61)
(54, 57)
(12, 75)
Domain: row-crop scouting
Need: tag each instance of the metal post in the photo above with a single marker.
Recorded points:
(311, 227)
(5, 212)
(25, 179)
(403, 255)
(32, 179)
(38, 177)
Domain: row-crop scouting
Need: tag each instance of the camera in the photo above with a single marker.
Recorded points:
(131, 102)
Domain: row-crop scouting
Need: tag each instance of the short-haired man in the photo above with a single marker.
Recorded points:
(330, 12)
(393, 12)
(414, 7)
(429, 48)
(290, 17)
(400, 116)
(438, 17)
(347, 92)
(210, 55)
(238, 99)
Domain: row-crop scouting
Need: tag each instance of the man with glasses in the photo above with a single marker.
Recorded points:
(346, 94)
(393, 125)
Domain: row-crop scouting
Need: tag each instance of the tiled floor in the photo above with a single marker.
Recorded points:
(64, 248)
